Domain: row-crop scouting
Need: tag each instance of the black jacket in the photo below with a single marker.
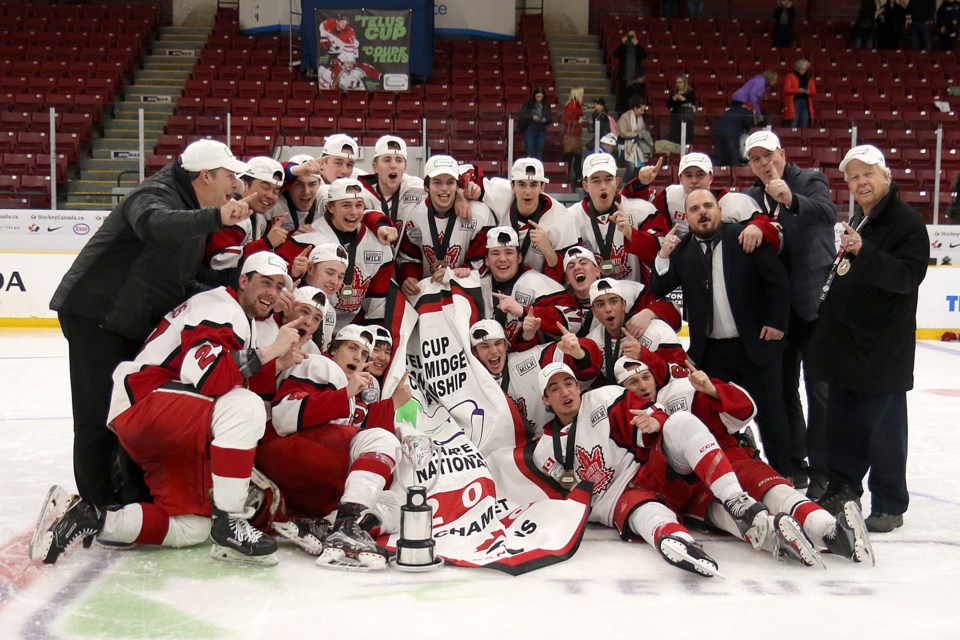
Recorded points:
(866, 337)
(756, 285)
(144, 260)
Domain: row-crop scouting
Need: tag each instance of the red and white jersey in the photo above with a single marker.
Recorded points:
(551, 215)
(372, 272)
(198, 348)
(546, 298)
(628, 261)
(735, 207)
(338, 77)
(334, 41)
(724, 416)
(608, 449)
(410, 193)
(467, 244)
(522, 375)
(659, 335)
(229, 247)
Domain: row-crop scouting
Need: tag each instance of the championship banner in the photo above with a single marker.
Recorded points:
(487, 509)
(363, 49)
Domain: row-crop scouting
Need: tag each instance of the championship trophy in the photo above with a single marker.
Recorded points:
(416, 549)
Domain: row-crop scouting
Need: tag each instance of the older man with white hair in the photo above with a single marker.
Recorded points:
(865, 341)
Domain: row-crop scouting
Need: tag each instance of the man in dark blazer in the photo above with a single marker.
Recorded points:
(799, 202)
(865, 342)
(737, 305)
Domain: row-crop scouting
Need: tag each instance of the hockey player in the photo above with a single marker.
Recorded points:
(545, 229)
(516, 371)
(434, 238)
(297, 206)
(370, 263)
(328, 450)
(626, 449)
(726, 409)
(513, 292)
(229, 247)
(389, 184)
(337, 36)
(347, 73)
(190, 411)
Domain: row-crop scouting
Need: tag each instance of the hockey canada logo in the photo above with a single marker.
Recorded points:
(527, 365)
(592, 468)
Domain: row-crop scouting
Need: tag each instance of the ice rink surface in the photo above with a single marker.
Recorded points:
(609, 589)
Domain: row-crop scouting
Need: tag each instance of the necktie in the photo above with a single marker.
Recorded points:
(706, 259)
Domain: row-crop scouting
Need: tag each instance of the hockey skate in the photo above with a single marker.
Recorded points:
(688, 556)
(306, 533)
(236, 540)
(789, 541)
(849, 537)
(74, 520)
(752, 518)
(349, 547)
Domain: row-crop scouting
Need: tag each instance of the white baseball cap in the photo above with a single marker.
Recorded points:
(551, 370)
(312, 296)
(609, 139)
(695, 159)
(267, 263)
(528, 169)
(865, 153)
(266, 169)
(301, 158)
(344, 189)
(604, 286)
(502, 237)
(210, 154)
(626, 367)
(575, 253)
(599, 162)
(765, 139)
(486, 330)
(441, 166)
(329, 252)
(381, 334)
(384, 144)
(334, 144)
(357, 333)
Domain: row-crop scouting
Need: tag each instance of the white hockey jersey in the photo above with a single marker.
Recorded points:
(611, 244)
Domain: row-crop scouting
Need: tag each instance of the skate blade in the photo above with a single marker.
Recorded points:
(333, 558)
(676, 554)
(289, 531)
(795, 544)
(226, 554)
(54, 506)
(863, 548)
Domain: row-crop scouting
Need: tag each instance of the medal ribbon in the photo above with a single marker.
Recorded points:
(605, 245)
(440, 248)
(565, 460)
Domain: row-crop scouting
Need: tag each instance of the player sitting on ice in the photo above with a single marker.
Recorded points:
(517, 372)
(512, 291)
(190, 411)
(726, 409)
(328, 450)
(609, 301)
(636, 457)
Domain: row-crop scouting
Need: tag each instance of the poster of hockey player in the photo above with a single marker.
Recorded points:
(363, 49)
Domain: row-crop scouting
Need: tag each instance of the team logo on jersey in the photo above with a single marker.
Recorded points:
(677, 404)
(599, 414)
(621, 268)
(451, 257)
(593, 468)
(527, 366)
(525, 299)
(373, 257)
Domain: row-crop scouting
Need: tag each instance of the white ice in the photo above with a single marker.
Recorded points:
(609, 589)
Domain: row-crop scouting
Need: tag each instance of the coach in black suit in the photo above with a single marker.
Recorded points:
(737, 305)
(799, 200)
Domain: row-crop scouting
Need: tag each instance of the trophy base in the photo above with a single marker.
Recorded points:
(416, 568)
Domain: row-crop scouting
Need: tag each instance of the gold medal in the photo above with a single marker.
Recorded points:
(843, 267)
(606, 267)
(567, 479)
(346, 292)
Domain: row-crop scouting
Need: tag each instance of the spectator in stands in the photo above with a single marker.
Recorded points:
(891, 24)
(783, 17)
(144, 261)
(922, 13)
(753, 92)
(630, 53)
(948, 24)
(601, 121)
(572, 124)
(727, 131)
(638, 143)
(798, 91)
(535, 116)
(866, 25)
(608, 144)
(683, 107)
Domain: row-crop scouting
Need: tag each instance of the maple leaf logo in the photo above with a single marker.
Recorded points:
(621, 268)
(453, 254)
(592, 468)
(360, 285)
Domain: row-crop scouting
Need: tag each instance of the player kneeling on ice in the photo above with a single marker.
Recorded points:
(327, 451)
(726, 409)
(645, 467)
(190, 411)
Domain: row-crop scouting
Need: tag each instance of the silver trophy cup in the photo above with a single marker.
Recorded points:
(416, 549)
